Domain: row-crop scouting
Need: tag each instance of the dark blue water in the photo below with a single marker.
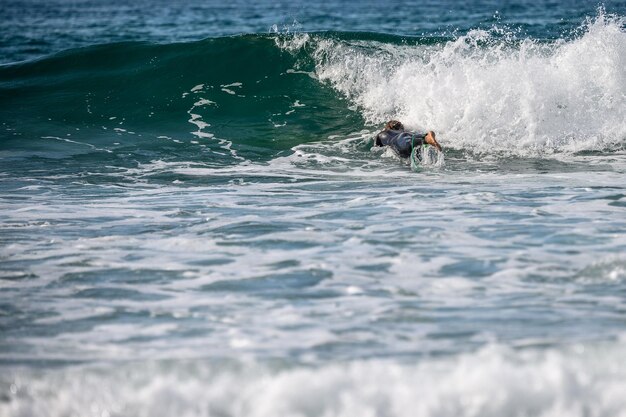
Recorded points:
(194, 220)
(34, 28)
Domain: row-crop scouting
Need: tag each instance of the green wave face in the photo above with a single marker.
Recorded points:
(216, 99)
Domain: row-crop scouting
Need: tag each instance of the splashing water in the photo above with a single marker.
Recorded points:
(489, 93)
(204, 228)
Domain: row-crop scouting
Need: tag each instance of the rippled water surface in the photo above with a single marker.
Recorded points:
(197, 224)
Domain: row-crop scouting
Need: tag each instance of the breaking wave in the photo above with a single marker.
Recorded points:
(253, 97)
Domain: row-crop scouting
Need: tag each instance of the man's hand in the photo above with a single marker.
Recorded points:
(430, 139)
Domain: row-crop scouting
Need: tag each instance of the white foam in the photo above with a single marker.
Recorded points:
(489, 93)
(78, 143)
(204, 102)
(201, 125)
(495, 381)
(227, 87)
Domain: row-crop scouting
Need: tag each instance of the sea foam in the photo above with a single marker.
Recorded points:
(494, 381)
(489, 91)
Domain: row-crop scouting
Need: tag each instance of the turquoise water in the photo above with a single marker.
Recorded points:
(195, 222)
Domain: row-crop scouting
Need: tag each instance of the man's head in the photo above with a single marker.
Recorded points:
(394, 125)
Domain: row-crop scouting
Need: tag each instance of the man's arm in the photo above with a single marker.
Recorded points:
(381, 138)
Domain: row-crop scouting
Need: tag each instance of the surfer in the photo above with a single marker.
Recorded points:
(402, 141)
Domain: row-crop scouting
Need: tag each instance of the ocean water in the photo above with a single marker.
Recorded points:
(194, 220)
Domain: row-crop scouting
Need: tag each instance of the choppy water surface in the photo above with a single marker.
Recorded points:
(203, 228)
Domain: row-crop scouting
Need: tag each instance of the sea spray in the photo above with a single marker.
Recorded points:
(488, 93)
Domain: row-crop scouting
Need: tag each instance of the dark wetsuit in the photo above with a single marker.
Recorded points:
(400, 141)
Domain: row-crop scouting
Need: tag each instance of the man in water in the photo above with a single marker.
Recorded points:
(402, 141)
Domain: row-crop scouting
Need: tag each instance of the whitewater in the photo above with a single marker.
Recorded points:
(203, 227)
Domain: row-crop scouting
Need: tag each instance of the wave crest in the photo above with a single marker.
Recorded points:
(489, 92)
